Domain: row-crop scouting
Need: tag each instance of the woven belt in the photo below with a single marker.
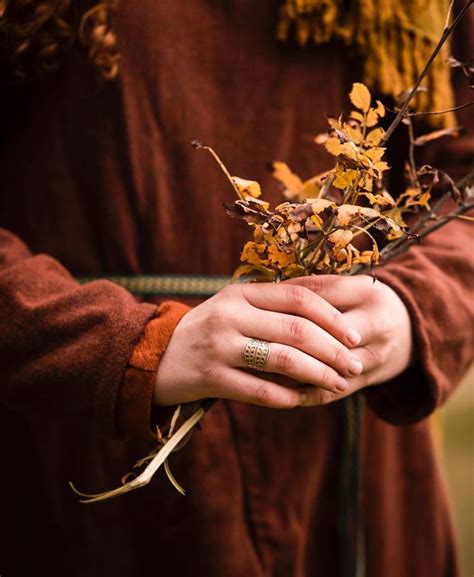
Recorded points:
(160, 285)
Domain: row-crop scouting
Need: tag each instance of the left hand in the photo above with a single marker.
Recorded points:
(379, 315)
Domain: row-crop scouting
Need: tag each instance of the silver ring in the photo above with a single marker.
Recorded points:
(255, 354)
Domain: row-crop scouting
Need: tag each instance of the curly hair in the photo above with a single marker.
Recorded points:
(35, 35)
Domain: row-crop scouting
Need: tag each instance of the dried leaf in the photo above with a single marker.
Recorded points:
(345, 178)
(340, 238)
(254, 253)
(438, 183)
(252, 211)
(374, 136)
(291, 181)
(280, 258)
(360, 96)
(247, 188)
(379, 199)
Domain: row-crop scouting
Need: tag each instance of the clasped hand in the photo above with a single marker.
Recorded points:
(329, 337)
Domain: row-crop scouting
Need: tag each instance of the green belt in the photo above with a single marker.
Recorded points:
(161, 285)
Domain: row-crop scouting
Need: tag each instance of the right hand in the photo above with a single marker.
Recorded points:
(309, 340)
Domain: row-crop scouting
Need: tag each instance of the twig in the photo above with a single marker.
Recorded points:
(390, 252)
(448, 15)
(432, 112)
(446, 33)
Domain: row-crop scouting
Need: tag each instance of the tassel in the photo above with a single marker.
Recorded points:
(394, 37)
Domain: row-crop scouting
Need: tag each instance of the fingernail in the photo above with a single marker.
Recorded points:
(355, 367)
(353, 336)
(303, 397)
(341, 384)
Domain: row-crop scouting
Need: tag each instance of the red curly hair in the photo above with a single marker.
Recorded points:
(36, 34)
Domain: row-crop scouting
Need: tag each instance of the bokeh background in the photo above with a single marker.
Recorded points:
(457, 454)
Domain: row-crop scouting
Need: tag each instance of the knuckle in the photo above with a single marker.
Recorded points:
(262, 394)
(375, 356)
(285, 360)
(229, 291)
(336, 319)
(297, 295)
(325, 397)
(316, 284)
(298, 330)
(340, 357)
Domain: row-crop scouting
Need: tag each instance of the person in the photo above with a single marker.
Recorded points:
(98, 179)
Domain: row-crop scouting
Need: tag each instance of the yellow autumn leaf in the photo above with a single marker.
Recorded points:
(360, 96)
(280, 258)
(353, 132)
(247, 188)
(254, 253)
(380, 109)
(291, 181)
(357, 116)
(374, 136)
(333, 146)
(345, 178)
(372, 118)
(375, 154)
(379, 199)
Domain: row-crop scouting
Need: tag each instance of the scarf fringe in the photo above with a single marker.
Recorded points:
(394, 50)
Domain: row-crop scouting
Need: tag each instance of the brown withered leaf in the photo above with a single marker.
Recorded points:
(340, 238)
(252, 211)
(466, 67)
(346, 213)
(437, 182)
(421, 140)
(300, 212)
(321, 204)
(295, 270)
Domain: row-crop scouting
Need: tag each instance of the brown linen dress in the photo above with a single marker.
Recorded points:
(100, 179)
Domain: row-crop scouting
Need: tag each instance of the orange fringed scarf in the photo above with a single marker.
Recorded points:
(394, 37)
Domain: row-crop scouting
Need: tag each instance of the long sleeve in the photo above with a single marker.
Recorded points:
(435, 282)
(65, 347)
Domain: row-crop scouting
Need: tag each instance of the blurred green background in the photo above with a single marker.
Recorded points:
(457, 453)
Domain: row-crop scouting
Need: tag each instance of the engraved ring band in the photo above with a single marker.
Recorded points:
(255, 354)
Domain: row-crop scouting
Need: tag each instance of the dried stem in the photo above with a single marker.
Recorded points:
(390, 252)
(432, 112)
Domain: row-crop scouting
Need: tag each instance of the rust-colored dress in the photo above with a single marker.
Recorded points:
(100, 179)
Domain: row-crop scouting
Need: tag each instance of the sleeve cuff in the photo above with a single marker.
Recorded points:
(415, 393)
(135, 416)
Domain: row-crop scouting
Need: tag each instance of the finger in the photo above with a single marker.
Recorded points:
(319, 396)
(299, 366)
(342, 292)
(300, 300)
(301, 334)
(249, 388)
(369, 329)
